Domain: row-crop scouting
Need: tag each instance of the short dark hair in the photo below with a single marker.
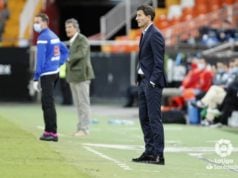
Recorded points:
(148, 10)
(44, 17)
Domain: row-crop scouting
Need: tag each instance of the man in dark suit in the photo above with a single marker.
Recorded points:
(151, 80)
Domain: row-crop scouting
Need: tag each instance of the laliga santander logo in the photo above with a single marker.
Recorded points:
(223, 148)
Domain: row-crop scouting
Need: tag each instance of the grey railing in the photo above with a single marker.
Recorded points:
(119, 16)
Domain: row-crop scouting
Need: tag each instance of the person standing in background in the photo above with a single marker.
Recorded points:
(51, 54)
(151, 80)
(79, 73)
(64, 87)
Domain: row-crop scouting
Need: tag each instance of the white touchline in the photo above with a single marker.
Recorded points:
(118, 163)
(169, 149)
(113, 146)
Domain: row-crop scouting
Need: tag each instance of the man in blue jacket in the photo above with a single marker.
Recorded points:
(51, 54)
(151, 80)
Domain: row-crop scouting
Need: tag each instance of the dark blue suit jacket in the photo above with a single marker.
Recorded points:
(151, 56)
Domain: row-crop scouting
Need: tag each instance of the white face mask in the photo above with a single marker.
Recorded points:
(37, 27)
(201, 66)
(220, 70)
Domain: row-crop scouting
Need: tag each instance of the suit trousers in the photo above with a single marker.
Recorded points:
(150, 118)
(48, 83)
(81, 99)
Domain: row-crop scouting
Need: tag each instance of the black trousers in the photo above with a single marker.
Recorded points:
(150, 118)
(229, 105)
(131, 95)
(66, 92)
(48, 83)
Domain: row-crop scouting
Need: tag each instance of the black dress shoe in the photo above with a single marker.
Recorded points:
(49, 138)
(157, 160)
(144, 158)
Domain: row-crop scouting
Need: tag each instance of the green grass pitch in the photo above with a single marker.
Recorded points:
(107, 151)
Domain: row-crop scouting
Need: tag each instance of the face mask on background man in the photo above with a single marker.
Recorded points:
(220, 70)
(201, 66)
(37, 27)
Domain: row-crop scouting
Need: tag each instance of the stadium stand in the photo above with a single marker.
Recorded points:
(18, 26)
(4, 15)
(180, 21)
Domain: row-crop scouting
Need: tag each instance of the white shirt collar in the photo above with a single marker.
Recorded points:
(73, 38)
(147, 28)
